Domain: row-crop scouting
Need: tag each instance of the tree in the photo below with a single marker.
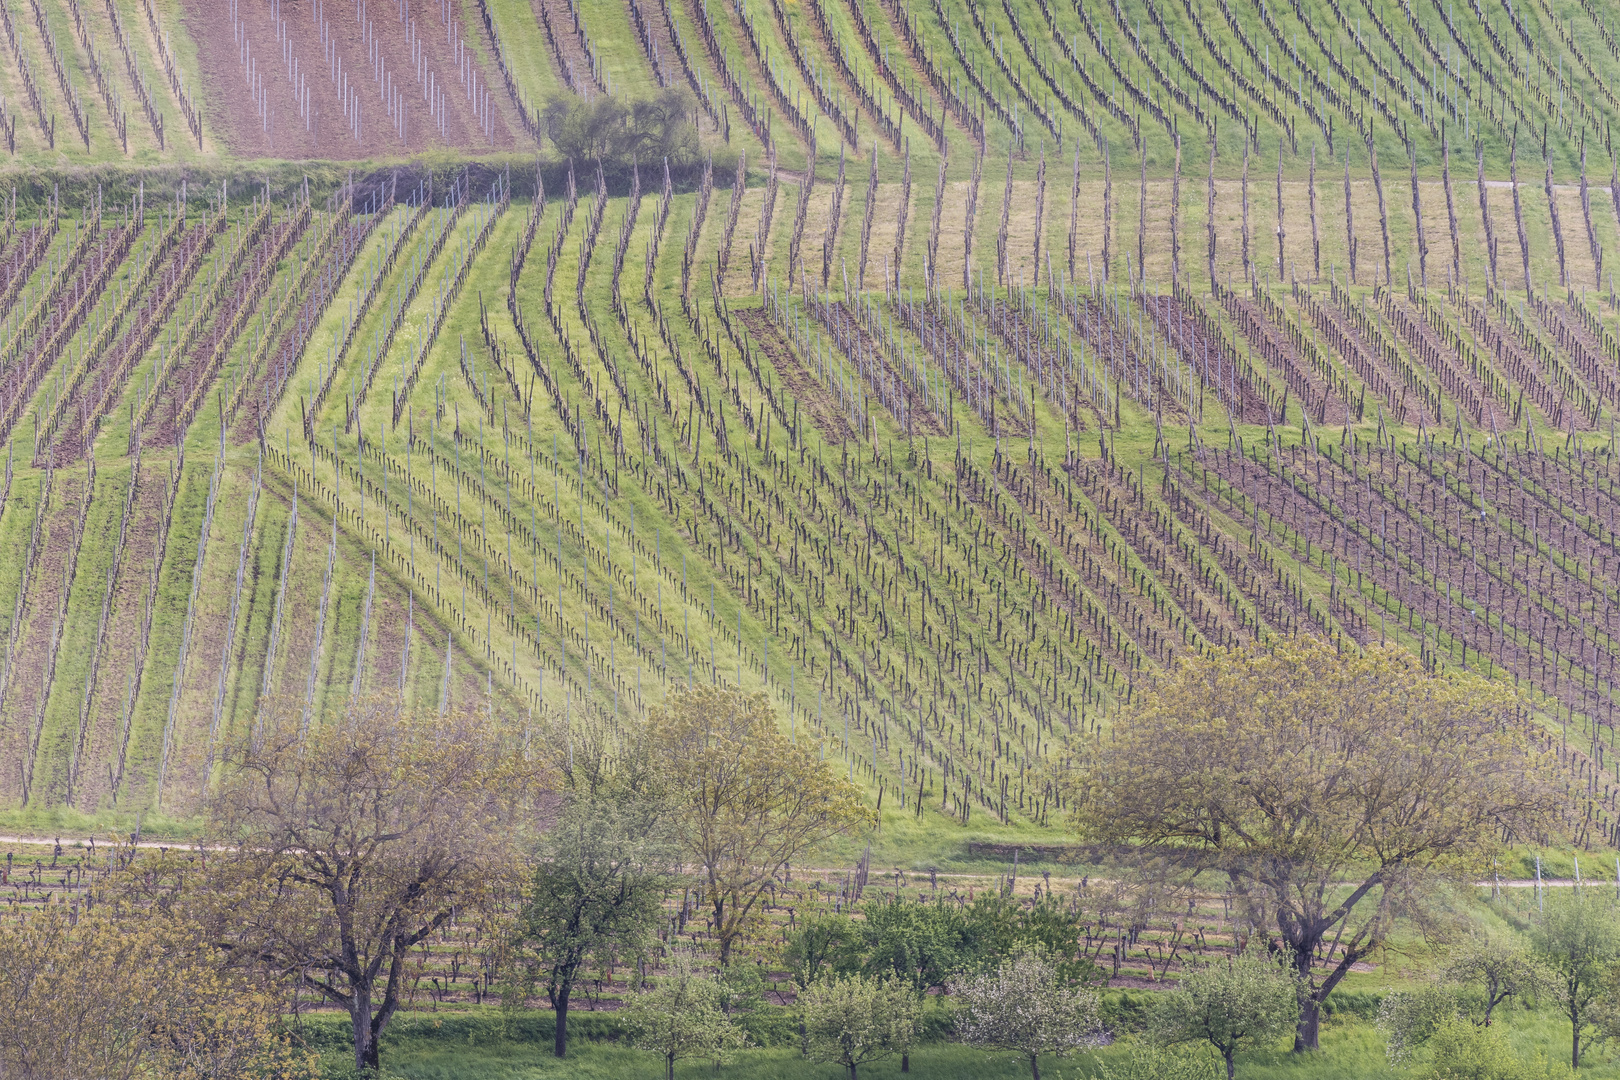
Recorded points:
(355, 840)
(849, 1020)
(822, 942)
(682, 1016)
(748, 801)
(1499, 967)
(597, 887)
(925, 944)
(585, 130)
(1408, 1018)
(121, 990)
(1294, 771)
(1578, 936)
(1234, 1003)
(616, 132)
(1460, 1049)
(1026, 1007)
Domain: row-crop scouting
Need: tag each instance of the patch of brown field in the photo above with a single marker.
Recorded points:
(804, 386)
(300, 52)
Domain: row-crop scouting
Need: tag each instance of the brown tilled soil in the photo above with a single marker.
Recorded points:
(233, 116)
(100, 390)
(922, 420)
(824, 412)
(183, 377)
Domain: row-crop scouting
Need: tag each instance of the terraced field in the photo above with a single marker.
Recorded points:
(891, 401)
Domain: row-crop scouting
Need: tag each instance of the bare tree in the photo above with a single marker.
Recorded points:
(365, 835)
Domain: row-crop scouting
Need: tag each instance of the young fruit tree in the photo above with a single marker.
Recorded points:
(1233, 1003)
(369, 830)
(1331, 791)
(1026, 1007)
(849, 1020)
(1495, 967)
(747, 800)
(1577, 935)
(682, 1016)
(599, 875)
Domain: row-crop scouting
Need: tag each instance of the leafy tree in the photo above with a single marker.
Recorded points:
(748, 801)
(615, 132)
(127, 989)
(355, 840)
(822, 942)
(1578, 936)
(924, 944)
(1407, 1018)
(742, 988)
(852, 1019)
(1294, 771)
(1463, 1050)
(596, 889)
(1498, 967)
(1481, 972)
(1026, 1007)
(1234, 1003)
(682, 1016)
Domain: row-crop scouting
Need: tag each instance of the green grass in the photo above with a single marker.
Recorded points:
(454, 1046)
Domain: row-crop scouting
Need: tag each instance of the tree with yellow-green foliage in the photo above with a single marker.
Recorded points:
(851, 1019)
(124, 990)
(747, 800)
(682, 1015)
(1329, 790)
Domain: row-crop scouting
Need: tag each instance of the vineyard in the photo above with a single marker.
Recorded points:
(886, 397)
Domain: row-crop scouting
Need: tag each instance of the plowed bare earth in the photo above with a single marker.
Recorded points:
(803, 385)
(233, 116)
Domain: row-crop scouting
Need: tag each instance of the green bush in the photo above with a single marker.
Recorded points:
(1463, 1050)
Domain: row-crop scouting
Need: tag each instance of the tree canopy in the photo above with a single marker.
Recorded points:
(1025, 1006)
(747, 800)
(363, 835)
(598, 875)
(1328, 789)
(616, 132)
(1232, 1003)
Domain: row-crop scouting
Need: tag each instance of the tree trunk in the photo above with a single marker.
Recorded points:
(905, 1061)
(1035, 1067)
(560, 1041)
(669, 1067)
(720, 927)
(1575, 1038)
(1231, 1065)
(366, 1056)
(1307, 1036)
